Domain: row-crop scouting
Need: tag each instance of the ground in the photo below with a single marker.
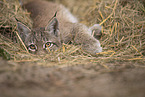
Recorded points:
(123, 79)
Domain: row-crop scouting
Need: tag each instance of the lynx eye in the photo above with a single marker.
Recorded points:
(48, 45)
(32, 47)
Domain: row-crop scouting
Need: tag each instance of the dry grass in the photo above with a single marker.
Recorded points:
(123, 32)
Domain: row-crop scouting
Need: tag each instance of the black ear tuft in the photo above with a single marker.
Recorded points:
(55, 14)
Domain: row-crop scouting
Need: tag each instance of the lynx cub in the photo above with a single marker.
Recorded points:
(51, 33)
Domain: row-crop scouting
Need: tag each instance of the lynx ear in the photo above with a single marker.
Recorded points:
(23, 30)
(96, 31)
(53, 27)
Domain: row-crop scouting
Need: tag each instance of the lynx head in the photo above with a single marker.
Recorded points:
(40, 40)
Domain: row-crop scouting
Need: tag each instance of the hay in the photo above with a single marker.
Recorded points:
(123, 32)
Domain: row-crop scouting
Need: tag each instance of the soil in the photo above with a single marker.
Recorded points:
(121, 79)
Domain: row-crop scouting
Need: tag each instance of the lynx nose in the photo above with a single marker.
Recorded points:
(41, 52)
